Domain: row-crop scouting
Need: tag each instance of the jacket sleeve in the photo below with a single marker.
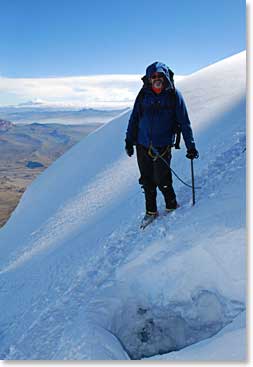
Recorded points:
(184, 121)
(132, 129)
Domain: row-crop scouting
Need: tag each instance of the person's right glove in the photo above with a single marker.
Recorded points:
(129, 148)
(192, 153)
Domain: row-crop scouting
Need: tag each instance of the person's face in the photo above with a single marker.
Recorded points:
(157, 80)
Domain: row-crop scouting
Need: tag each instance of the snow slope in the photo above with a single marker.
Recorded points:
(79, 280)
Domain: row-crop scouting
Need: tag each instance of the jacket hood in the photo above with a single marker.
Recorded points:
(159, 67)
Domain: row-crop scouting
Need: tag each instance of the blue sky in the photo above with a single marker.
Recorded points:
(77, 37)
(93, 53)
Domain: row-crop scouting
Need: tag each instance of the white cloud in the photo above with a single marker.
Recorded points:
(102, 91)
(90, 91)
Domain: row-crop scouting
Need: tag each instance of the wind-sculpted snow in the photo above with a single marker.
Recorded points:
(80, 280)
(68, 218)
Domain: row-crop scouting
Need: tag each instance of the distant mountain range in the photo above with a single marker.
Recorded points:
(27, 113)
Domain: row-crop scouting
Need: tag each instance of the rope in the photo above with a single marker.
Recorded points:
(157, 155)
(175, 174)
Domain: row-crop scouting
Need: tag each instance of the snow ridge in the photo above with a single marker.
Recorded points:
(82, 282)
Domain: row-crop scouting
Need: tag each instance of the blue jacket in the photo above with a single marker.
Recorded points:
(155, 116)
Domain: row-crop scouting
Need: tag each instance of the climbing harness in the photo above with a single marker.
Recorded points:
(156, 156)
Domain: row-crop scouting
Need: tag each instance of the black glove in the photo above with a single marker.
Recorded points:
(129, 148)
(192, 153)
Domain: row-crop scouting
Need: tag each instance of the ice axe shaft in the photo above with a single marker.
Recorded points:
(193, 183)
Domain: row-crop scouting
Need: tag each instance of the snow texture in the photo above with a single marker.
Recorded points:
(80, 281)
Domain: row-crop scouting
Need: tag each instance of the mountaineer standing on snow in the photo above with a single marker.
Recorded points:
(159, 113)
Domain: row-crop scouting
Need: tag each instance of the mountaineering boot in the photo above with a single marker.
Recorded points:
(171, 205)
(148, 218)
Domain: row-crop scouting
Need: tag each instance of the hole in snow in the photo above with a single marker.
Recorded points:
(147, 330)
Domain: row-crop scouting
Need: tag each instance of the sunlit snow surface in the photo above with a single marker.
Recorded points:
(80, 280)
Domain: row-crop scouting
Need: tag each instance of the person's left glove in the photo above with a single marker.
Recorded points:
(129, 148)
(192, 153)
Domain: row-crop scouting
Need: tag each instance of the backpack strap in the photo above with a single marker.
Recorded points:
(176, 127)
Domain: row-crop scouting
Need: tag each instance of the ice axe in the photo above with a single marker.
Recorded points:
(193, 183)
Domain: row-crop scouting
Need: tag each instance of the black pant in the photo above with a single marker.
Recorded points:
(155, 173)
